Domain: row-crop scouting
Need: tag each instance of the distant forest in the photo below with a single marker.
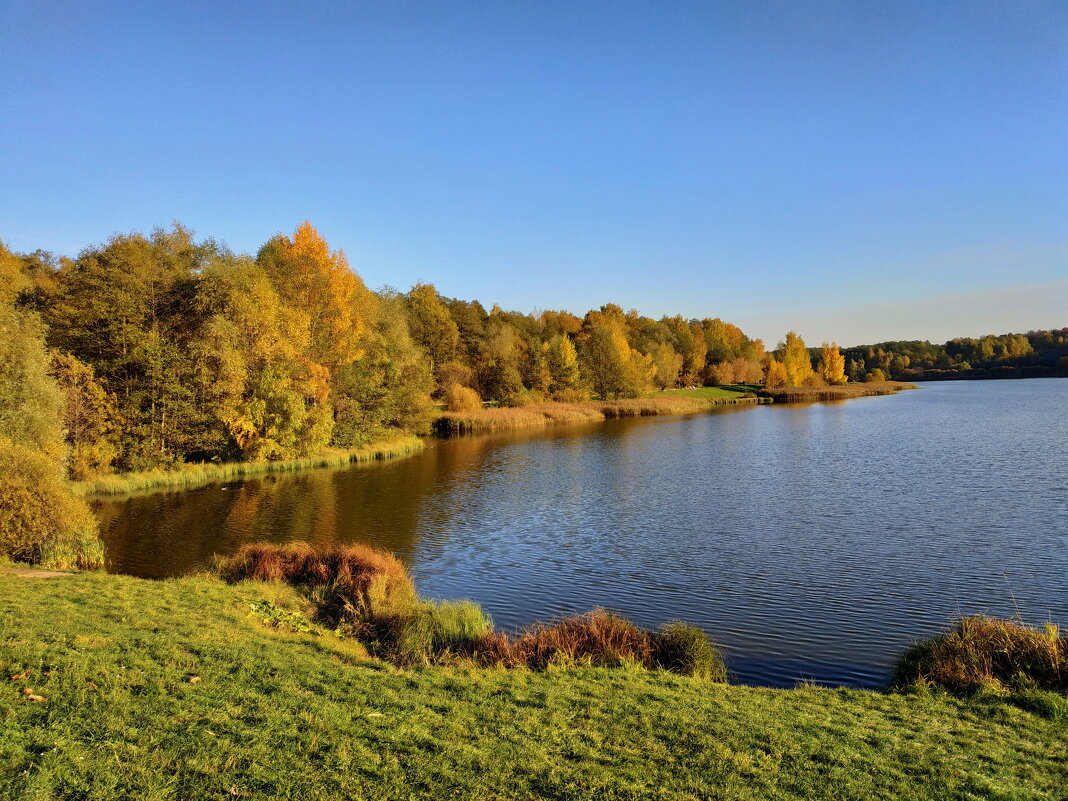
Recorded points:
(1031, 355)
(159, 350)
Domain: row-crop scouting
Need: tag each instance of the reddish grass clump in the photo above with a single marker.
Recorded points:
(362, 577)
(980, 652)
(602, 639)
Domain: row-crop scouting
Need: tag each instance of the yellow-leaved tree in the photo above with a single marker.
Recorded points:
(796, 361)
(831, 366)
(774, 373)
(311, 278)
(271, 398)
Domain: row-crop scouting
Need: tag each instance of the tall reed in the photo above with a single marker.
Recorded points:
(194, 475)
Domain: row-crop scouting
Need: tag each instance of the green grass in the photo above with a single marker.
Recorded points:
(716, 393)
(277, 712)
(195, 475)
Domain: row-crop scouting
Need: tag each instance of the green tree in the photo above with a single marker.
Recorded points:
(432, 327)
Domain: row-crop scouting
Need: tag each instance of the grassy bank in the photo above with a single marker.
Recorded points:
(191, 688)
(547, 414)
(833, 393)
(199, 474)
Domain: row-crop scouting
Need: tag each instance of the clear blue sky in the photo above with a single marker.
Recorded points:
(861, 171)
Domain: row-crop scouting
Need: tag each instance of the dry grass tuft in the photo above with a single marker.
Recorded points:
(981, 653)
(359, 581)
(598, 638)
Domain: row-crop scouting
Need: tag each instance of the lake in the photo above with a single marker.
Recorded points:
(811, 541)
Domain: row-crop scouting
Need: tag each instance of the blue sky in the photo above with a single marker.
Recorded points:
(857, 171)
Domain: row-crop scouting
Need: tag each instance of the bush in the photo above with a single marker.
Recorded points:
(682, 648)
(41, 522)
(981, 653)
(459, 398)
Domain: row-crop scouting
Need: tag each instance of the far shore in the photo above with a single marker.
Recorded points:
(484, 420)
(550, 413)
(836, 392)
(196, 475)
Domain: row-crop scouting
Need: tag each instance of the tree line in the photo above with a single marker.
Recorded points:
(1034, 354)
(151, 351)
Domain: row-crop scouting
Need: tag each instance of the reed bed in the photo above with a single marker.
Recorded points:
(195, 475)
(833, 393)
(537, 415)
(981, 653)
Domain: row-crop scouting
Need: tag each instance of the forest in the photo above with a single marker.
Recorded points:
(1035, 354)
(160, 351)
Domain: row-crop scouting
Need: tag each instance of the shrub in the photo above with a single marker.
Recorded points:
(982, 653)
(682, 648)
(459, 398)
(41, 522)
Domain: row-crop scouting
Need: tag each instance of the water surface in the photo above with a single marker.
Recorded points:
(813, 542)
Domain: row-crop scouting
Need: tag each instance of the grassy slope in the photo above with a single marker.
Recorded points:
(279, 715)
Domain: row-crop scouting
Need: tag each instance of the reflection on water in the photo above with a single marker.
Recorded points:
(812, 541)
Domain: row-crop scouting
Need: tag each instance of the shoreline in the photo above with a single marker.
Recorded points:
(834, 393)
(480, 421)
(121, 687)
(539, 415)
(197, 475)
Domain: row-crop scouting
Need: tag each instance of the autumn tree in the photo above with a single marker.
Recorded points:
(721, 373)
(272, 400)
(614, 368)
(795, 360)
(774, 373)
(310, 277)
(128, 310)
(13, 281)
(31, 403)
(561, 358)
(831, 366)
(388, 388)
(667, 364)
(90, 417)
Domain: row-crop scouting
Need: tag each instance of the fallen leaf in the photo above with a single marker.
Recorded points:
(20, 676)
(194, 679)
(27, 690)
(91, 686)
(375, 715)
(33, 697)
